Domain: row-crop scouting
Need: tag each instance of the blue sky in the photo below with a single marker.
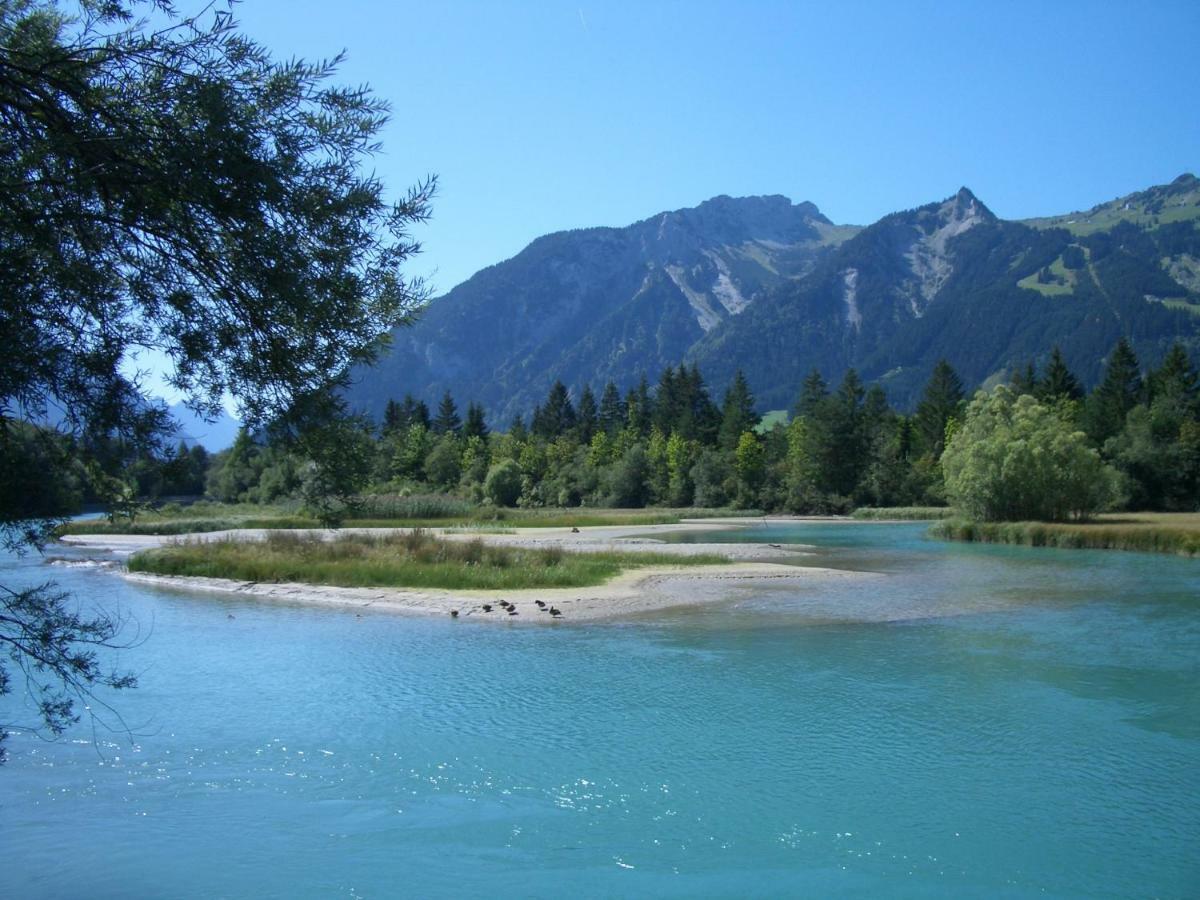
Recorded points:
(544, 116)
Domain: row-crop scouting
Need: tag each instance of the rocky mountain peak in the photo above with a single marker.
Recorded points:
(928, 256)
(732, 221)
(965, 207)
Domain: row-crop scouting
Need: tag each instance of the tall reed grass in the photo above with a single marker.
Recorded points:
(904, 513)
(1158, 535)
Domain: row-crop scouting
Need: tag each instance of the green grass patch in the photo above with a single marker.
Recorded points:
(415, 559)
(1105, 217)
(700, 512)
(582, 518)
(771, 419)
(1177, 533)
(431, 511)
(906, 513)
(153, 525)
(414, 507)
(1181, 305)
(1065, 281)
(834, 235)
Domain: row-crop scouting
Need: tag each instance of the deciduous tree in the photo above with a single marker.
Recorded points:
(175, 188)
(1016, 459)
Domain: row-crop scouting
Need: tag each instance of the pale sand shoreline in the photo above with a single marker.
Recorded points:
(634, 592)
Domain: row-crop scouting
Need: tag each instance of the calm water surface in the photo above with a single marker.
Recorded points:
(967, 722)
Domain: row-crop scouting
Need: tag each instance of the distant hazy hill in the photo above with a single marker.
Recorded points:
(775, 289)
(213, 436)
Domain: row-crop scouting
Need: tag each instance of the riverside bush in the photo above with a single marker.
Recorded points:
(1015, 459)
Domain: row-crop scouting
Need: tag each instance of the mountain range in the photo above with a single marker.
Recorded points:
(776, 289)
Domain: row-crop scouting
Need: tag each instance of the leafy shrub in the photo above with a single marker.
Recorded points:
(502, 487)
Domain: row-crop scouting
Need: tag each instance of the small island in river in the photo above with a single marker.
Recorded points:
(555, 574)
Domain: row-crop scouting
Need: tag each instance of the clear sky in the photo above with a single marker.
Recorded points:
(544, 116)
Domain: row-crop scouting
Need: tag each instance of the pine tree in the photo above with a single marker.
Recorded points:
(447, 421)
(475, 426)
(587, 416)
(737, 412)
(1058, 383)
(941, 401)
(1115, 396)
(612, 410)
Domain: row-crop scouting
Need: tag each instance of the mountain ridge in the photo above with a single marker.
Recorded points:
(776, 288)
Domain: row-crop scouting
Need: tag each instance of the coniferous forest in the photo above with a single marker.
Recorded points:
(1133, 442)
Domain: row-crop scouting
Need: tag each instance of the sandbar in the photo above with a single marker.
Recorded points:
(633, 592)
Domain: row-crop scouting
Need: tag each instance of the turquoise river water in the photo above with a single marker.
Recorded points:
(969, 722)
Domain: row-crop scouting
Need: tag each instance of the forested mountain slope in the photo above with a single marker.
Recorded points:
(950, 280)
(598, 304)
(776, 289)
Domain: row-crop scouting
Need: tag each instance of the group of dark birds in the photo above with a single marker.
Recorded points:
(511, 608)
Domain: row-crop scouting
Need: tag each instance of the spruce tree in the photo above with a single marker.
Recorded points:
(392, 417)
(737, 412)
(475, 425)
(447, 421)
(1175, 381)
(612, 410)
(1058, 383)
(587, 416)
(420, 415)
(847, 460)
(517, 431)
(1115, 396)
(1024, 381)
(941, 400)
(640, 407)
(703, 418)
(813, 392)
(669, 402)
(557, 417)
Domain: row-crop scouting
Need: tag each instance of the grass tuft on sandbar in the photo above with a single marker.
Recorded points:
(415, 559)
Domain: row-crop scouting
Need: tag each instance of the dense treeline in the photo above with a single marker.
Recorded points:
(1134, 441)
(672, 444)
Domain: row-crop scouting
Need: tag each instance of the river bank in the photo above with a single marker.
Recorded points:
(1174, 533)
